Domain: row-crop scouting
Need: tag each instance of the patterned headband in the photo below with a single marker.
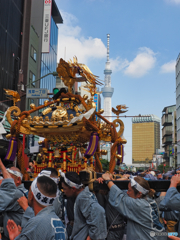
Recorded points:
(138, 186)
(15, 173)
(69, 183)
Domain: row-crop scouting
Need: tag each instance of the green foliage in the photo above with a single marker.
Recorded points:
(105, 164)
(160, 168)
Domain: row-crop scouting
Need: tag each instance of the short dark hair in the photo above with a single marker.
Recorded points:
(53, 171)
(72, 176)
(9, 166)
(47, 186)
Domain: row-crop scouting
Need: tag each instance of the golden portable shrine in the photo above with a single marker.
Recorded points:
(68, 124)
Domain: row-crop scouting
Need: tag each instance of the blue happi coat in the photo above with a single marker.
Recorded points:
(89, 217)
(9, 207)
(171, 202)
(44, 226)
(58, 205)
(142, 215)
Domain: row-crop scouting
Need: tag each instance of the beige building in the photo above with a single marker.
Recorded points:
(145, 138)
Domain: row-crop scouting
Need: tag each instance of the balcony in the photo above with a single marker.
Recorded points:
(166, 119)
(167, 130)
(167, 140)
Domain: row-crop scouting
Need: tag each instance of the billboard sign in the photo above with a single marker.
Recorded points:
(46, 26)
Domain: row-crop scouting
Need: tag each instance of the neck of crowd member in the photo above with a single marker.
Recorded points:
(78, 191)
(37, 207)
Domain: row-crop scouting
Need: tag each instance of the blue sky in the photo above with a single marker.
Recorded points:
(144, 45)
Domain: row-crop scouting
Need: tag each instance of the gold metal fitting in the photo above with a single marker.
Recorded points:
(32, 106)
(101, 111)
(85, 97)
(46, 102)
(118, 156)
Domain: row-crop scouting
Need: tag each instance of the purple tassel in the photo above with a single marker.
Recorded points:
(12, 150)
(120, 152)
(93, 143)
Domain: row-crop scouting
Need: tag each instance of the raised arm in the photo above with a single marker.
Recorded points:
(172, 198)
(7, 188)
(4, 171)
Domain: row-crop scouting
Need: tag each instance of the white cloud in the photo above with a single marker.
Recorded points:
(168, 67)
(142, 63)
(118, 64)
(71, 42)
(173, 1)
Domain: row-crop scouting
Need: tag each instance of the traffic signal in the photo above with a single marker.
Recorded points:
(55, 90)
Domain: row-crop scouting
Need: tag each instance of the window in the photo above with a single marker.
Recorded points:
(32, 78)
(33, 53)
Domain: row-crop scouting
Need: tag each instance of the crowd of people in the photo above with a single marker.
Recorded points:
(62, 208)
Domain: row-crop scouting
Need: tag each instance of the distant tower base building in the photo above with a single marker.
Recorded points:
(107, 90)
(107, 102)
(145, 138)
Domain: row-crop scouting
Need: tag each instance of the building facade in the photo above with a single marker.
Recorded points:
(178, 107)
(174, 140)
(22, 59)
(47, 31)
(11, 34)
(145, 138)
(167, 133)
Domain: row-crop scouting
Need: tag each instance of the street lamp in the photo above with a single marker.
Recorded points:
(55, 74)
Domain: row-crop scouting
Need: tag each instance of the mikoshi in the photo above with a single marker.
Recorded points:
(70, 125)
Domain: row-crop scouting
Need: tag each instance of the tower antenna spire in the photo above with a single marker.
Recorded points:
(108, 37)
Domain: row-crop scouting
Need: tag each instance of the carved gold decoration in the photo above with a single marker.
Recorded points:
(103, 152)
(60, 112)
(76, 108)
(8, 136)
(15, 111)
(12, 95)
(65, 99)
(12, 111)
(121, 124)
(93, 105)
(119, 109)
(67, 72)
(47, 110)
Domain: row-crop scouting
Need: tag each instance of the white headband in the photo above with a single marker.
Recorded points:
(69, 183)
(15, 173)
(137, 186)
(41, 198)
(48, 174)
